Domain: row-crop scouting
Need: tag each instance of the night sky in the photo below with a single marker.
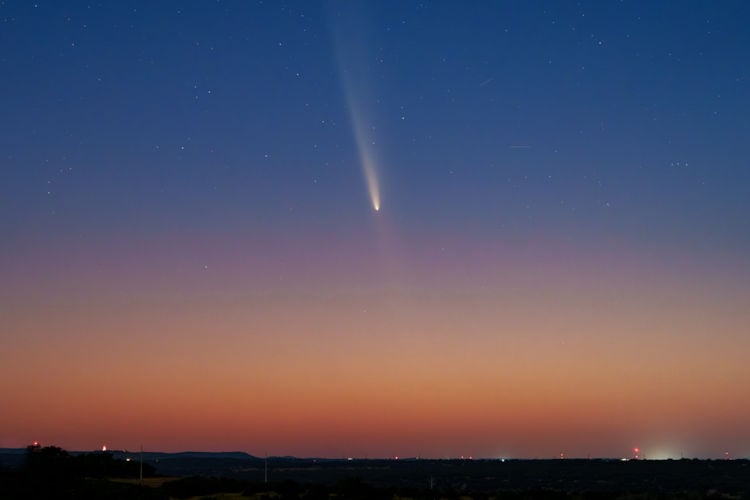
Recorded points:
(374, 229)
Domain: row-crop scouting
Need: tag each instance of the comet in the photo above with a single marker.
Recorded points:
(350, 30)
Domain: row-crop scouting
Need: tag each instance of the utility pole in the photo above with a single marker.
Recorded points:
(140, 475)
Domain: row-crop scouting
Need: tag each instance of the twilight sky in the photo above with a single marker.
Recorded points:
(190, 255)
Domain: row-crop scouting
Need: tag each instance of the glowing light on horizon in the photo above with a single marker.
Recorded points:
(667, 450)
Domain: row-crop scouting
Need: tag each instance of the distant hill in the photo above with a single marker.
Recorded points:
(156, 455)
(13, 457)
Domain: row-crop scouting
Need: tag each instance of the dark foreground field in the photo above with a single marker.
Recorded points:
(575, 476)
(242, 476)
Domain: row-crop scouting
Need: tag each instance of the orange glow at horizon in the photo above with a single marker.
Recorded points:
(447, 365)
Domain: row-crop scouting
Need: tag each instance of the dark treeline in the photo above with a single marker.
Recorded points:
(54, 462)
(51, 472)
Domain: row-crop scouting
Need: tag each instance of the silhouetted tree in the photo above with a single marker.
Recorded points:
(49, 463)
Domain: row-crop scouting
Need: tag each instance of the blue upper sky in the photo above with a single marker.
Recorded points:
(624, 120)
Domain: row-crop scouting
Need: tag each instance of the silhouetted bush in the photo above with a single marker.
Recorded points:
(199, 486)
(315, 492)
(354, 487)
